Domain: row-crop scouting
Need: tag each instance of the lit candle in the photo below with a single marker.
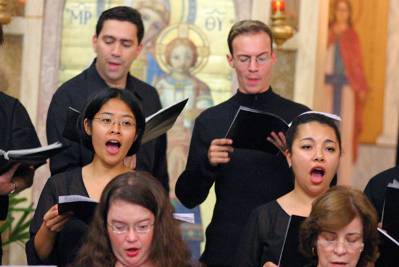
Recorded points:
(278, 6)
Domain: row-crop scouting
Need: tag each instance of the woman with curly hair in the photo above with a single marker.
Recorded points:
(341, 230)
(133, 226)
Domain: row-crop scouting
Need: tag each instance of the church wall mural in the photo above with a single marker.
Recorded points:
(354, 74)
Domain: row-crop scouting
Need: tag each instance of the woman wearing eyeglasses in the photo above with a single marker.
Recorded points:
(112, 124)
(313, 152)
(133, 227)
(341, 230)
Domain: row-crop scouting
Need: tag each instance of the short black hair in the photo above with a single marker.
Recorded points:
(122, 13)
(307, 118)
(98, 100)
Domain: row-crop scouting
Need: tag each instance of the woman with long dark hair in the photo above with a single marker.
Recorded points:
(134, 226)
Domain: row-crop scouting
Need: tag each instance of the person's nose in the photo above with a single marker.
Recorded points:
(131, 235)
(319, 154)
(340, 248)
(116, 49)
(253, 65)
(115, 127)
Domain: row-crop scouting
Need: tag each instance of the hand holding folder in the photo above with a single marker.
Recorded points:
(250, 129)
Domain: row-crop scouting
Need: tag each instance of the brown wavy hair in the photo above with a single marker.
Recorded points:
(167, 247)
(334, 210)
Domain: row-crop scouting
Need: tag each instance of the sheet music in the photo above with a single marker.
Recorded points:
(184, 217)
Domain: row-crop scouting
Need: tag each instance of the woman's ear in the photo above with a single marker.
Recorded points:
(288, 156)
(87, 127)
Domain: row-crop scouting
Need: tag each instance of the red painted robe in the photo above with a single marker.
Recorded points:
(352, 57)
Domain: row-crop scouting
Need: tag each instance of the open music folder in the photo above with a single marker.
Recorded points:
(250, 128)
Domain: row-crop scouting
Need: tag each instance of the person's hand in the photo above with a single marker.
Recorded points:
(6, 185)
(278, 140)
(269, 264)
(219, 150)
(53, 221)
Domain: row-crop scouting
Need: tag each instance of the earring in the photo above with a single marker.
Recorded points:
(313, 251)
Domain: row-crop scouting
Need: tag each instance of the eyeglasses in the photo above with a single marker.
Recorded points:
(107, 121)
(349, 244)
(245, 60)
(123, 228)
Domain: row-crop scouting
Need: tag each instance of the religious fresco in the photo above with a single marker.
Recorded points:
(183, 56)
(351, 74)
(182, 51)
(11, 65)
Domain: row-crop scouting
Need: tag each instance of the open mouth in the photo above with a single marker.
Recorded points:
(317, 175)
(113, 146)
(132, 252)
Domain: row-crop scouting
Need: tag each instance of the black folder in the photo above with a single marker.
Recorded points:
(32, 156)
(82, 207)
(389, 250)
(161, 121)
(290, 255)
(250, 128)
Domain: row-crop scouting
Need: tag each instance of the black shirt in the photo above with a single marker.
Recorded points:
(16, 132)
(250, 179)
(263, 237)
(375, 188)
(69, 239)
(151, 156)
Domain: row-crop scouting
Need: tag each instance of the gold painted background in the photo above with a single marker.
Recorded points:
(371, 24)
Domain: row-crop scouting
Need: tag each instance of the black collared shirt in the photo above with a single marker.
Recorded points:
(151, 156)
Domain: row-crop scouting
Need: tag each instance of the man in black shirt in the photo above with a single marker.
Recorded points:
(244, 179)
(117, 43)
(16, 132)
